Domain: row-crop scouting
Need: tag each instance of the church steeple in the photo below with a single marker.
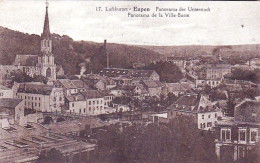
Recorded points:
(46, 42)
(46, 29)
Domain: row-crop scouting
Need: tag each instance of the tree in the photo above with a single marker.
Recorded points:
(51, 156)
(178, 141)
(168, 72)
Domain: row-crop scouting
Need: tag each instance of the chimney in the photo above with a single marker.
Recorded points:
(106, 53)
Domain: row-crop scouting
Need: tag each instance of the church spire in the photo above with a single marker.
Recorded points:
(46, 29)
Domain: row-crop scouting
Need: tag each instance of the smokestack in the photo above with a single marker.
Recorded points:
(107, 54)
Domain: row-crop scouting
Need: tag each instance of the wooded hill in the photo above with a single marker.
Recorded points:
(72, 54)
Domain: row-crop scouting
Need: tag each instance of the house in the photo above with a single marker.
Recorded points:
(174, 88)
(132, 73)
(41, 97)
(179, 61)
(5, 92)
(137, 91)
(12, 110)
(71, 87)
(238, 135)
(154, 88)
(90, 102)
(158, 118)
(198, 108)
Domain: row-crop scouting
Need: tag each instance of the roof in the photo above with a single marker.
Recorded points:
(126, 72)
(26, 60)
(46, 34)
(175, 86)
(9, 102)
(248, 111)
(4, 88)
(35, 88)
(72, 84)
(90, 94)
(189, 100)
(193, 104)
(175, 58)
(152, 84)
(75, 125)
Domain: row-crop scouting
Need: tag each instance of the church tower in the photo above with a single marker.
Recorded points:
(46, 58)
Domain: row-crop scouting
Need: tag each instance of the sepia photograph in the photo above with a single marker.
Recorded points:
(129, 81)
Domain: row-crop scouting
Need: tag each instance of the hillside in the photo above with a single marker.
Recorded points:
(252, 50)
(72, 54)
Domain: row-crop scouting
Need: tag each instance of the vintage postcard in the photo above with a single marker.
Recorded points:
(129, 81)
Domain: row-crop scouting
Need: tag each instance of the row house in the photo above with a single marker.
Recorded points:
(90, 102)
(41, 97)
(198, 107)
(216, 71)
(238, 135)
(71, 87)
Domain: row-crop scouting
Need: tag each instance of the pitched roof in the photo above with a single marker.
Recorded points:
(90, 94)
(35, 88)
(152, 84)
(72, 84)
(4, 88)
(9, 102)
(188, 100)
(175, 86)
(46, 34)
(248, 111)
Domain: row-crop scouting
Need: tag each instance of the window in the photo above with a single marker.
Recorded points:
(216, 115)
(25, 97)
(202, 116)
(39, 98)
(209, 124)
(253, 135)
(97, 101)
(60, 98)
(242, 135)
(29, 97)
(39, 104)
(72, 105)
(208, 116)
(93, 102)
(84, 110)
(79, 110)
(89, 109)
(225, 134)
(89, 102)
(35, 104)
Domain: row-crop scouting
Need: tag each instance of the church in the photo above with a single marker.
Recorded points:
(42, 64)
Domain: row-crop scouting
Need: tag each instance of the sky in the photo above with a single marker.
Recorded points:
(227, 23)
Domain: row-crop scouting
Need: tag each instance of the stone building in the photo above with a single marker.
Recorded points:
(238, 135)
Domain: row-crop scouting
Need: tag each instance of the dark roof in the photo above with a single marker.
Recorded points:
(188, 100)
(26, 60)
(248, 111)
(89, 94)
(126, 72)
(175, 58)
(35, 89)
(152, 84)
(9, 102)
